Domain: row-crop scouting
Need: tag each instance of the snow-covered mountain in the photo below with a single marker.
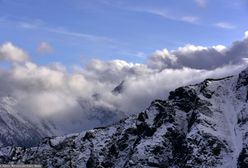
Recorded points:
(18, 129)
(202, 125)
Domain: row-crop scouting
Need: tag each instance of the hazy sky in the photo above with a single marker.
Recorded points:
(75, 31)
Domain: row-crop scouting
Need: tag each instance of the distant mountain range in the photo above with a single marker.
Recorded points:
(18, 128)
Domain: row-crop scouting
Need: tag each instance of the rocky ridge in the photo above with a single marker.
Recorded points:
(202, 125)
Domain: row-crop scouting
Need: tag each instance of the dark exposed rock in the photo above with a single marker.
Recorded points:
(192, 120)
(185, 98)
(113, 151)
(91, 163)
(242, 79)
(118, 89)
(144, 129)
(88, 136)
(142, 116)
(243, 158)
(166, 113)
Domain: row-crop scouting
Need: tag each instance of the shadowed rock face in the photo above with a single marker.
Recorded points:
(203, 125)
(119, 89)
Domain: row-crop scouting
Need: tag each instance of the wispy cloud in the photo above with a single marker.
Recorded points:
(27, 25)
(44, 48)
(224, 25)
(201, 3)
(138, 54)
(63, 31)
(190, 19)
(163, 13)
(89, 37)
(167, 15)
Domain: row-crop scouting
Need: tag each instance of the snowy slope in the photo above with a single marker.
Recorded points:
(16, 129)
(20, 128)
(202, 125)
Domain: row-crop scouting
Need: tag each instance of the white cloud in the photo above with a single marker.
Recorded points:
(12, 53)
(224, 25)
(220, 48)
(246, 34)
(84, 97)
(201, 3)
(200, 57)
(189, 49)
(44, 48)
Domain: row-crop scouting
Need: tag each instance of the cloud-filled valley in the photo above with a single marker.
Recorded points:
(84, 98)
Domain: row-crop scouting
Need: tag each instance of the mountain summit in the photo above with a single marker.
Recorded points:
(202, 125)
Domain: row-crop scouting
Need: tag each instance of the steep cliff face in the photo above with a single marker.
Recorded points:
(202, 125)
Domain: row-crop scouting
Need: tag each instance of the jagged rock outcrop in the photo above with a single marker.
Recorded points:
(203, 125)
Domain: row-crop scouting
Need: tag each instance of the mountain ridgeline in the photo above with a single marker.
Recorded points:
(203, 125)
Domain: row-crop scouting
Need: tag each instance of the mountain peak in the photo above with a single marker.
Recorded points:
(118, 89)
(202, 125)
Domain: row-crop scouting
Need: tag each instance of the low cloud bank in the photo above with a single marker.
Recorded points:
(85, 99)
(200, 57)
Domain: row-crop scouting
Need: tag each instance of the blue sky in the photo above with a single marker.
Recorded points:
(79, 30)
